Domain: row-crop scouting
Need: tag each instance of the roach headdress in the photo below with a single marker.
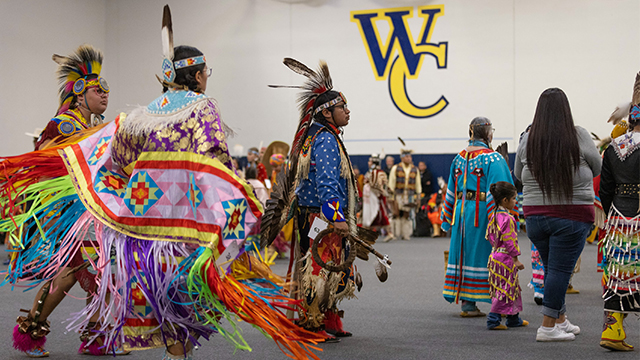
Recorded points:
(73, 72)
(317, 84)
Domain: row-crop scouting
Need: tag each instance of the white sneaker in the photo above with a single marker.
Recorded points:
(553, 334)
(568, 327)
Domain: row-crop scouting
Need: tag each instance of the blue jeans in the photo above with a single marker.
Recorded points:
(560, 243)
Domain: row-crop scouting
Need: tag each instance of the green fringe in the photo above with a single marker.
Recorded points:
(53, 190)
(197, 285)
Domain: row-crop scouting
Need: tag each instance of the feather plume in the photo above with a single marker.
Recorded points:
(84, 61)
(299, 67)
(381, 272)
(402, 141)
(621, 112)
(59, 59)
(167, 34)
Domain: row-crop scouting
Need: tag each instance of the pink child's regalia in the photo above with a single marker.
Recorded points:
(503, 273)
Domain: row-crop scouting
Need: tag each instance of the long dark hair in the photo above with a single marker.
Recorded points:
(186, 76)
(553, 152)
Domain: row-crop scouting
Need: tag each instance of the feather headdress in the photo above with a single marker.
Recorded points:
(84, 61)
(317, 84)
(169, 66)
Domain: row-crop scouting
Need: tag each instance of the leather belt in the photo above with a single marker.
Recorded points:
(628, 189)
(309, 209)
(471, 195)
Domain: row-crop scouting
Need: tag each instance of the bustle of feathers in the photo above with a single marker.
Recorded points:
(274, 211)
(84, 61)
(317, 83)
(167, 33)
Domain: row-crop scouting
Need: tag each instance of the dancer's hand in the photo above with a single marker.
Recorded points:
(342, 228)
(519, 265)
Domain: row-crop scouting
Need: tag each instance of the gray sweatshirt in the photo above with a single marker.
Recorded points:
(590, 164)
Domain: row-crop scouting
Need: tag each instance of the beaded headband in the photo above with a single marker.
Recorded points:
(330, 103)
(169, 67)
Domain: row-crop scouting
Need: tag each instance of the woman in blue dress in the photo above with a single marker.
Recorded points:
(467, 208)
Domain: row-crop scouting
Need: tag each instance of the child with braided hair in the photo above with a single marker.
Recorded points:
(503, 262)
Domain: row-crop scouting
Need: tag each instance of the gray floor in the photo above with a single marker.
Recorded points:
(404, 318)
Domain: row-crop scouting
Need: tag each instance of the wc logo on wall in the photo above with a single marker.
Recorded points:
(408, 61)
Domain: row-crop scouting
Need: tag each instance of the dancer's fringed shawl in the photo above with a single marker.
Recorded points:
(162, 225)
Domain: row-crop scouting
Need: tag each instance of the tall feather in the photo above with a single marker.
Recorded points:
(277, 207)
(402, 141)
(84, 61)
(167, 34)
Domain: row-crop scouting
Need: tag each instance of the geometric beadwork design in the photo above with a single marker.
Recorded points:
(194, 195)
(164, 102)
(142, 193)
(99, 150)
(234, 227)
(110, 182)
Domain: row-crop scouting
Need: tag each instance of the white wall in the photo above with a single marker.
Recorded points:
(30, 32)
(502, 54)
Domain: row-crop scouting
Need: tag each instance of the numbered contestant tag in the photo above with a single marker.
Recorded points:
(230, 253)
(316, 227)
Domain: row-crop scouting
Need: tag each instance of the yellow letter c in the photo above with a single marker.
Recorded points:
(400, 98)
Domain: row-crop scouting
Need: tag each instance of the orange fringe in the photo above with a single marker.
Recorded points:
(20, 171)
(239, 299)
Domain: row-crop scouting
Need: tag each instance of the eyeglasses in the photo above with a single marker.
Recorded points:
(101, 92)
(344, 107)
(207, 71)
